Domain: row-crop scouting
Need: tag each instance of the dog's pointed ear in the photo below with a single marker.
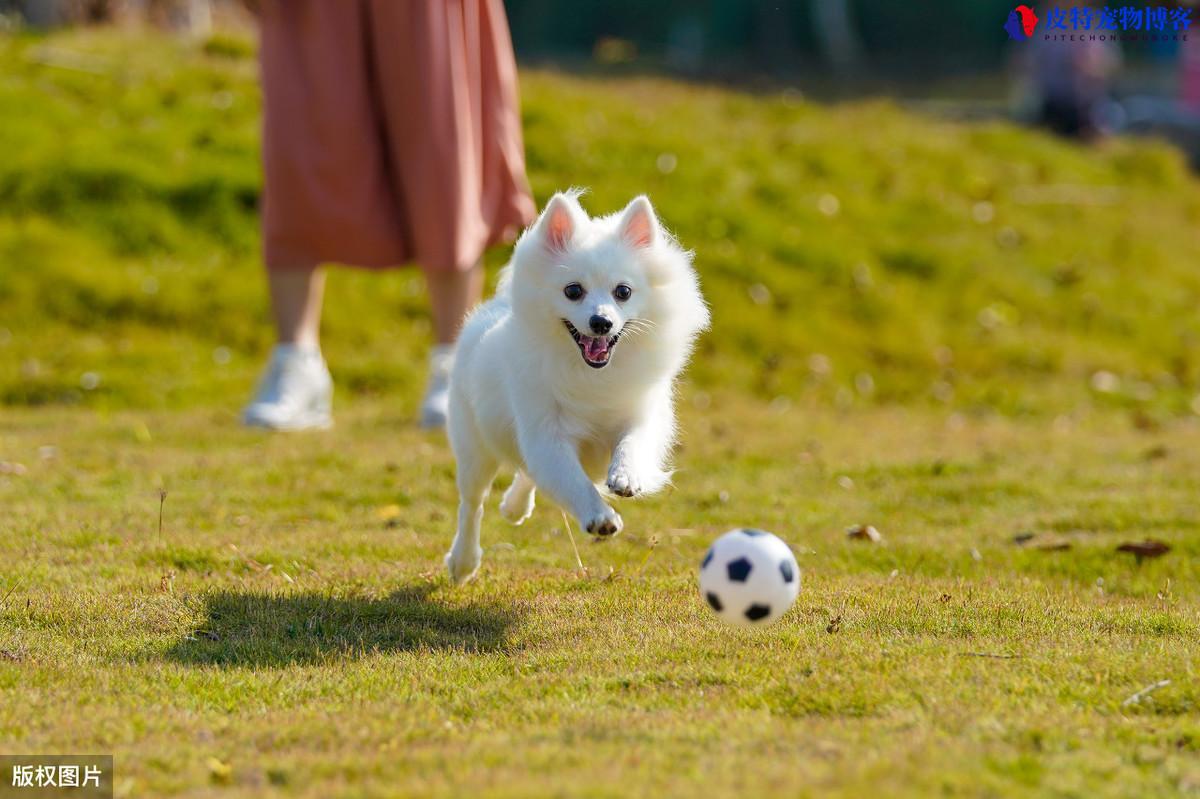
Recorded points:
(639, 225)
(558, 222)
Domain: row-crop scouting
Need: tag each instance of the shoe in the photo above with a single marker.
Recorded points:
(296, 393)
(436, 405)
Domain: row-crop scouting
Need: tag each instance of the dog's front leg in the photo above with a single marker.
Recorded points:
(553, 463)
(638, 457)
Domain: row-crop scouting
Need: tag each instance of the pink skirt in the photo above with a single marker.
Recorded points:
(391, 132)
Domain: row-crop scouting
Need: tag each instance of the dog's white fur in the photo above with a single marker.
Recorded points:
(521, 393)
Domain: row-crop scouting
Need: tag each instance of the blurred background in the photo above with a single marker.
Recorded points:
(938, 48)
(890, 203)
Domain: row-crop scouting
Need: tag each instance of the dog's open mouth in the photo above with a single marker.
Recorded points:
(596, 350)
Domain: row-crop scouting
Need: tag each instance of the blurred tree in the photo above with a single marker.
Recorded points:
(44, 13)
(837, 35)
(777, 36)
(775, 42)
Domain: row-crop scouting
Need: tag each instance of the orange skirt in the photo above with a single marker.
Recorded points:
(391, 132)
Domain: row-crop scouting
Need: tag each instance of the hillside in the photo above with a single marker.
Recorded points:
(854, 254)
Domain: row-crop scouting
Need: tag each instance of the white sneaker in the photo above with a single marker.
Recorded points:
(436, 405)
(296, 393)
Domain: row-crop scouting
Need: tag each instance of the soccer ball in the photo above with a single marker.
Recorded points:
(749, 577)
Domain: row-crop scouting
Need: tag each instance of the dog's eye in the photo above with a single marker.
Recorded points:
(622, 292)
(574, 292)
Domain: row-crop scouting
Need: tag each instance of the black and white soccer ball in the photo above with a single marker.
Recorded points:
(749, 577)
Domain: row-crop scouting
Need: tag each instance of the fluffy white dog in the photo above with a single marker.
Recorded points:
(567, 372)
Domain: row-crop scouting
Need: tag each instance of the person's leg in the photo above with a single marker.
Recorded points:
(451, 294)
(296, 391)
(296, 297)
(324, 197)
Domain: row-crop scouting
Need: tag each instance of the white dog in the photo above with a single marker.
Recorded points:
(567, 372)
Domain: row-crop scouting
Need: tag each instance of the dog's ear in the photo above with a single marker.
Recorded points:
(639, 225)
(558, 222)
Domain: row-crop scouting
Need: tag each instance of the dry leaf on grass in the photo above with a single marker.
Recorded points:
(1046, 543)
(864, 532)
(1149, 548)
(387, 513)
(219, 772)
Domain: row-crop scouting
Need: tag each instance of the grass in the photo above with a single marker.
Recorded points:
(921, 354)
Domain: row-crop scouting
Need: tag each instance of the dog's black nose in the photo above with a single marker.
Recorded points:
(599, 325)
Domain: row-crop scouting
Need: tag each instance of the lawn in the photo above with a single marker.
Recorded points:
(963, 335)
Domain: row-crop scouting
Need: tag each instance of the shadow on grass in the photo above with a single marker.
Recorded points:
(247, 629)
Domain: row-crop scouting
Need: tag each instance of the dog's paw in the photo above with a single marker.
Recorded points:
(623, 482)
(463, 565)
(605, 523)
(516, 506)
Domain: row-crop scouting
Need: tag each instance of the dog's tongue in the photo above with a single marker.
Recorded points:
(595, 348)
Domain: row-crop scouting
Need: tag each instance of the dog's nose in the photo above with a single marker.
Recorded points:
(599, 325)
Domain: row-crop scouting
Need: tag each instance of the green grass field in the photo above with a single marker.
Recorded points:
(958, 334)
